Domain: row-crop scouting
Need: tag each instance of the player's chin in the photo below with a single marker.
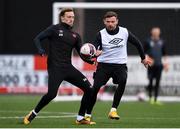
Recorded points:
(70, 24)
(110, 28)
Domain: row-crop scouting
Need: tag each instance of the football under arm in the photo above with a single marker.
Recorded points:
(78, 47)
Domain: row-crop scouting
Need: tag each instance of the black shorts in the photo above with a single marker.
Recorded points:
(105, 71)
(67, 73)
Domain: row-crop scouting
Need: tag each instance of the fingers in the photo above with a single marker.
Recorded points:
(146, 65)
(94, 61)
(150, 61)
(98, 53)
(43, 55)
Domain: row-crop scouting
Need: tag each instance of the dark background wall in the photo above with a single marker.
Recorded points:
(22, 20)
(140, 22)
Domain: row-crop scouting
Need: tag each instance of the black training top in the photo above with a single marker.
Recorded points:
(62, 40)
(131, 38)
(155, 49)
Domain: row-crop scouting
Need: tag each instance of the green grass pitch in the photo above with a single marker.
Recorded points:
(62, 114)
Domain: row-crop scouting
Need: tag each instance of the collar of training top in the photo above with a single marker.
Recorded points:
(66, 25)
(113, 32)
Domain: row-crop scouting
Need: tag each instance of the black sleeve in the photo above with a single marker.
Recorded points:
(41, 36)
(135, 41)
(78, 44)
(78, 47)
(97, 42)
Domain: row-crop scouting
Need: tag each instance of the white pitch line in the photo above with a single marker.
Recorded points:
(43, 112)
(38, 117)
(68, 116)
(10, 117)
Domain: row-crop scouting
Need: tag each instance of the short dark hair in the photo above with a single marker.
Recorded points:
(63, 11)
(110, 14)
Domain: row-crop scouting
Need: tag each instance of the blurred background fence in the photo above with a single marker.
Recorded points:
(22, 71)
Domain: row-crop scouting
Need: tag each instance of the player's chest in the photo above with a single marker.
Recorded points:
(156, 46)
(65, 37)
(114, 41)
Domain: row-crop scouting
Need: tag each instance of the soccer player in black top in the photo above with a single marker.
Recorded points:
(112, 59)
(62, 40)
(155, 48)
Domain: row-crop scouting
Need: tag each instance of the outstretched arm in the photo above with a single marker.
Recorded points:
(135, 41)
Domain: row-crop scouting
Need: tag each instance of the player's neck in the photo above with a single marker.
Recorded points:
(113, 32)
(66, 25)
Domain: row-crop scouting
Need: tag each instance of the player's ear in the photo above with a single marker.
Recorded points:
(117, 21)
(104, 21)
(62, 18)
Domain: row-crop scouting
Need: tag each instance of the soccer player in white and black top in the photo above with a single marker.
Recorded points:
(112, 58)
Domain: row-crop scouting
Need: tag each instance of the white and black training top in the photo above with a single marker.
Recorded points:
(114, 45)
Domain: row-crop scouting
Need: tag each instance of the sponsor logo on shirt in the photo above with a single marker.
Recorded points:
(116, 42)
(74, 35)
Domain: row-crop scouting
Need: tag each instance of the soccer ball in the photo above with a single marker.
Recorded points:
(141, 96)
(88, 50)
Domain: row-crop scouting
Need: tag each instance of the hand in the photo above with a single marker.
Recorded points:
(42, 52)
(147, 61)
(94, 60)
(98, 53)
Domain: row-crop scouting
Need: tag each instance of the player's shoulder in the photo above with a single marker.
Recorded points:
(76, 33)
(161, 41)
(56, 26)
(102, 30)
(59, 26)
(123, 28)
(51, 27)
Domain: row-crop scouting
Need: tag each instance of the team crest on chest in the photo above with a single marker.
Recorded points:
(74, 35)
(60, 33)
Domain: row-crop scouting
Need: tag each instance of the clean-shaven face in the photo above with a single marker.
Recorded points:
(155, 33)
(68, 18)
